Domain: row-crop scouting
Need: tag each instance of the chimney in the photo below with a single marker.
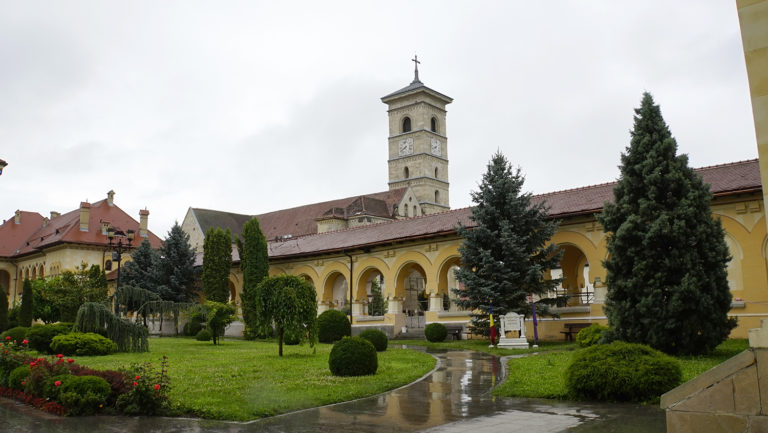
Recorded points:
(17, 217)
(104, 227)
(85, 213)
(54, 214)
(111, 198)
(45, 222)
(143, 221)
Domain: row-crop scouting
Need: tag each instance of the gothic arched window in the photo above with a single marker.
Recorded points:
(406, 173)
(437, 196)
(433, 125)
(407, 124)
(435, 172)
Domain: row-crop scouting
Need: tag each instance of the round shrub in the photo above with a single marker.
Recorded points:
(332, 325)
(51, 390)
(83, 344)
(353, 356)
(40, 336)
(621, 372)
(590, 335)
(193, 325)
(203, 335)
(435, 332)
(17, 376)
(17, 334)
(377, 338)
(291, 338)
(84, 395)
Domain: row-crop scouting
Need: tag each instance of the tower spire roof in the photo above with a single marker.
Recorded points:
(416, 85)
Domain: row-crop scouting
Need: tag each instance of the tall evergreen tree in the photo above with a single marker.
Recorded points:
(143, 269)
(3, 309)
(503, 258)
(667, 257)
(27, 307)
(254, 262)
(177, 272)
(217, 261)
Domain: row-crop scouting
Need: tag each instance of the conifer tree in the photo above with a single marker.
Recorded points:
(27, 307)
(176, 267)
(254, 262)
(503, 258)
(667, 257)
(142, 270)
(377, 306)
(217, 261)
(3, 309)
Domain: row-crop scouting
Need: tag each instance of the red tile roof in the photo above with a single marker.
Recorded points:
(724, 179)
(66, 229)
(13, 236)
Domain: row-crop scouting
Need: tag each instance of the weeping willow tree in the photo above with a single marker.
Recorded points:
(131, 298)
(162, 308)
(97, 317)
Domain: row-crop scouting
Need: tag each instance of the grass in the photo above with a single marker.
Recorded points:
(542, 376)
(242, 380)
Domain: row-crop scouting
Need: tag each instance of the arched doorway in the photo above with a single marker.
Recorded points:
(447, 283)
(336, 291)
(370, 278)
(411, 283)
(575, 289)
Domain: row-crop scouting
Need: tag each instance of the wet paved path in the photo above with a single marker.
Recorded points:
(454, 398)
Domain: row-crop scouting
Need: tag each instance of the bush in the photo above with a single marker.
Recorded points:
(18, 377)
(194, 324)
(203, 335)
(149, 390)
(84, 344)
(51, 390)
(40, 336)
(435, 332)
(17, 334)
(377, 338)
(333, 325)
(353, 356)
(590, 335)
(84, 395)
(292, 338)
(621, 372)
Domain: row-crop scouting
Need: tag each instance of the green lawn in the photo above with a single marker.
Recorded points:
(243, 380)
(543, 375)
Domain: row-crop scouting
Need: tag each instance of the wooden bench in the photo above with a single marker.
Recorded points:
(571, 329)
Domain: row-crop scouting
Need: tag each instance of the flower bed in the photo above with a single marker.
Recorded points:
(58, 385)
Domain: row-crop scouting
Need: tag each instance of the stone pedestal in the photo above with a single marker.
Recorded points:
(358, 308)
(394, 305)
(322, 307)
(512, 322)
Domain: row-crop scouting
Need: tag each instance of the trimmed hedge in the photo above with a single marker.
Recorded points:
(377, 338)
(84, 344)
(621, 372)
(291, 338)
(18, 376)
(17, 334)
(40, 336)
(203, 335)
(353, 356)
(84, 395)
(333, 325)
(590, 335)
(435, 332)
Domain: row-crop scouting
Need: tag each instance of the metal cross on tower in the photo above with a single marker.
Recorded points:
(416, 62)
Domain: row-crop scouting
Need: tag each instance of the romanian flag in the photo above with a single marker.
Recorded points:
(493, 328)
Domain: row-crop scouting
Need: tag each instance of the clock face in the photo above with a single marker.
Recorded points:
(405, 146)
(436, 147)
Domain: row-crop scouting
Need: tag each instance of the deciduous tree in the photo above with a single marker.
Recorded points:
(288, 303)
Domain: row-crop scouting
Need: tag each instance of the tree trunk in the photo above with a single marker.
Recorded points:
(280, 340)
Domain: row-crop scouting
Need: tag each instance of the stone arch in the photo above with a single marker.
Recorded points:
(364, 281)
(335, 289)
(446, 280)
(232, 291)
(309, 274)
(275, 270)
(411, 280)
(575, 268)
(433, 124)
(595, 253)
(734, 269)
(5, 281)
(406, 123)
(406, 173)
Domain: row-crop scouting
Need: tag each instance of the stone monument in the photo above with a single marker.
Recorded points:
(511, 322)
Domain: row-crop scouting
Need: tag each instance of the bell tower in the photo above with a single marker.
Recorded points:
(418, 145)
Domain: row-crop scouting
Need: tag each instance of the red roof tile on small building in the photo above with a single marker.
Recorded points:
(13, 236)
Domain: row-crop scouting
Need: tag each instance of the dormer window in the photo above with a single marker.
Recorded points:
(433, 125)
(407, 124)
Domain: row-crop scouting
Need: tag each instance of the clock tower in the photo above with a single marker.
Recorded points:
(418, 146)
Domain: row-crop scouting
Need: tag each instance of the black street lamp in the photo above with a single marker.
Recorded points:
(3, 164)
(117, 246)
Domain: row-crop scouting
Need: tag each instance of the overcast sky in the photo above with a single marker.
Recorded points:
(250, 107)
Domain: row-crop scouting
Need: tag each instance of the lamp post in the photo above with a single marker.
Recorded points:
(3, 164)
(117, 246)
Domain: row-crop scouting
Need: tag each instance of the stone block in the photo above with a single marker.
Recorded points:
(761, 358)
(708, 378)
(716, 398)
(700, 422)
(746, 393)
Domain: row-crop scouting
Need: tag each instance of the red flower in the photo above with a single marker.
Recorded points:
(70, 360)
(23, 382)
(8, 338)
(25, 342)
(135, 383)
(32, 364)
(39, 359)
(57, 383)
(157, 387)
(59, 356)
(138, 377)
